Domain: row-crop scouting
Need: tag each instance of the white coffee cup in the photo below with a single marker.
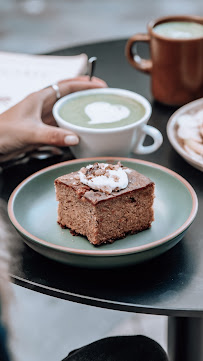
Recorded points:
(119, 141)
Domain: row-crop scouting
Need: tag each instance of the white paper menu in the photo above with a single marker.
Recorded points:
(21, 74)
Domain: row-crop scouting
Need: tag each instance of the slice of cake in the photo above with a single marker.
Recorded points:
(105, 202)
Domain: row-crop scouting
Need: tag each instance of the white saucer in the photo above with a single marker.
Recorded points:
(190, 108)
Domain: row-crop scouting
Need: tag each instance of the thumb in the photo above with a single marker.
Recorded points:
(47, 134)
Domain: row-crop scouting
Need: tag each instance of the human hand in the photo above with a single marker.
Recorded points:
(30, 123)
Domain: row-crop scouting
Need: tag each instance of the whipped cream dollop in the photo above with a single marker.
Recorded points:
(104, 177)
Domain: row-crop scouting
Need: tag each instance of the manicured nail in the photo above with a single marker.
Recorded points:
(71, 140)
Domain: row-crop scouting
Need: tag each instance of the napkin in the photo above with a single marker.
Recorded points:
(21, 74)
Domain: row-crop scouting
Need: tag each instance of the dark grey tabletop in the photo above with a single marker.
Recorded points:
(172, 283)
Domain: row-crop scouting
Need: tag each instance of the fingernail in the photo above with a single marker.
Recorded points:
(71, 140)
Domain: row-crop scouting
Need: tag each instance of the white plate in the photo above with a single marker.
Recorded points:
(190, 108)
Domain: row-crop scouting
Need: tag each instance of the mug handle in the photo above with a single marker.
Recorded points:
(134, 59)
(155, 134)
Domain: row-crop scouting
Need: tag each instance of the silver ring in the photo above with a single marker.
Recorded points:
(57, 91)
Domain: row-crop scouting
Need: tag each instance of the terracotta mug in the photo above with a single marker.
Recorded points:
(176, 64)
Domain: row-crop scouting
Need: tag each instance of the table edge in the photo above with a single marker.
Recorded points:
(102, 303)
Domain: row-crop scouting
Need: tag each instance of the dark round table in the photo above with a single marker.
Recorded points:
(171, 284)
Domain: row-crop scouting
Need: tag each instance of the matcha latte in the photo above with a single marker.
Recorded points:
(102, 111)
(179, 29)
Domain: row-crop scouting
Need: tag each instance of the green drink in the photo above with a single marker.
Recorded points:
(102, 111)
(179, 30)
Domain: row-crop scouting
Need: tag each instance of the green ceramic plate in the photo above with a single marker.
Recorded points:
(32, 209)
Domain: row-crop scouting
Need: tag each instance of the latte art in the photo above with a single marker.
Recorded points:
(103, 112)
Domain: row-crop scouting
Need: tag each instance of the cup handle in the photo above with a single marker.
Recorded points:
(144, 65)
(156, 135)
